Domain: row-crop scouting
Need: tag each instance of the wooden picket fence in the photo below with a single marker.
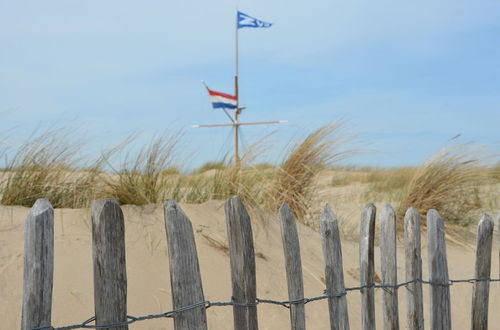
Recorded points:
(110, 278)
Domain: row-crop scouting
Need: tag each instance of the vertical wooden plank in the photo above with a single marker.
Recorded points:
(110, 276)
(185, 276)
(293, 265)
(367, 266)
(334, 271)
(38, 266)
(413, 269)
(242, 260)
(481, 290)
(438, 272)
(389, 267)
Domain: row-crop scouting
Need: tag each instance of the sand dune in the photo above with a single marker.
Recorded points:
(148, 277)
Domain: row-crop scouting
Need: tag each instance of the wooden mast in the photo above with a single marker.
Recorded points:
(235, 121)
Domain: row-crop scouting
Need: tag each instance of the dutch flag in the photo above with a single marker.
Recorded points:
(222, 100)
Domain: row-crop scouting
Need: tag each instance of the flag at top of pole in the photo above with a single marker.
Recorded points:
(245, 20)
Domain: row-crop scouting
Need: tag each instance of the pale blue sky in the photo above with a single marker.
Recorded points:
(405, 75)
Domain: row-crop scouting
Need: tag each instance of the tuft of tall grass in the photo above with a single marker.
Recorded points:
(294, 182)
(45, 166)
(249, 181)
(447, 182)
(146, 177)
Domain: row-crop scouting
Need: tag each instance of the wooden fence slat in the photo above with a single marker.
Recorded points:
(438, 272)
(334, 271)
(481, 290)
(110, 276)
(38, 266)
(293, 265)
(242, 260)
(185, 276)
(389, 267)
(367, 266)
(413, 269)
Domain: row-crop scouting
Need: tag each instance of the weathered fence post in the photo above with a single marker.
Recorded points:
(293, 265)
(38, 266)
(110, 276)
(481, 289)
(334, 271)
(185, 276)
(413, 269)
(367, 266)
(389, 267)
(242, 259)
(438, 272)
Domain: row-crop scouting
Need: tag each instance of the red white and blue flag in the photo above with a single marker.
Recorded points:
(222, 100)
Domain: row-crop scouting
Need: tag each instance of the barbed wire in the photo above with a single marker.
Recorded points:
(286, 303)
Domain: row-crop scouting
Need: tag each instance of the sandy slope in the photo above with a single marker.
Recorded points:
(148, 278)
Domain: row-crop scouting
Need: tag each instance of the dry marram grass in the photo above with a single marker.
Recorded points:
(294, 183)
(45, 166)
(447, 182)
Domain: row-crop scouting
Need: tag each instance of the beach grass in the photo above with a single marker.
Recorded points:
(50, 165)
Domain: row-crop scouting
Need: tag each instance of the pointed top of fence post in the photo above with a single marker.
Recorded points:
(172, 206)
(387, 211)
(285, 209)
(234, 199)
(369, 207)
(327, 214)
(41, 205)
(486, 220)
(411, 212)
(100, 204)
(433, 214)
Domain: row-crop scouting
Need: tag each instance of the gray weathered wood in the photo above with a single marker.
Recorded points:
(293, 265)
(185, 276)
(242, 260)
(388, 267)
(413, 269)
(334, 271)
(38, 266)
(367, 266)
(438, 272)
(110, 276)
(481, 289)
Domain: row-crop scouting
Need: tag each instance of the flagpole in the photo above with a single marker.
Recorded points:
(236, 93)
(235, 122)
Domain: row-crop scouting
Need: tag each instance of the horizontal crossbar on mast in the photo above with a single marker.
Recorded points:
(242, 124)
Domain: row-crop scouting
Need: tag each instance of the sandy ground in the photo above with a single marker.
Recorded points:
(148, 270)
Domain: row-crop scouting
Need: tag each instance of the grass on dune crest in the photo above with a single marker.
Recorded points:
(150, 177)
(50, 165)
(145, 177)
(142, 180)
(294, 182)
(247, 180)
(45, 166)
(448, 182)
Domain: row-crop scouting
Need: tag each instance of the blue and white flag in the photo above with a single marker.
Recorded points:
(248, 21)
